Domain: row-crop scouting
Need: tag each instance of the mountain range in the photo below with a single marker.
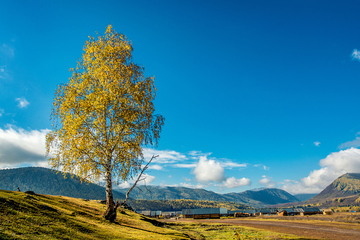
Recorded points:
(343, 191)
(257, 198)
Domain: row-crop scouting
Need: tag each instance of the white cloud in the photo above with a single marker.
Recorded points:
(267, 182)
(197, 154)
(332, 167)
(317, 143)
(232, 182)
(147, 180)
(165, 156)
(1, 112)
(155, 167)
(18, 146)
(355, 55)
(230, 165)
(185, 165)
(23, 103)
(208, 170)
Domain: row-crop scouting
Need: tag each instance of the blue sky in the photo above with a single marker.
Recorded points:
(255, 93)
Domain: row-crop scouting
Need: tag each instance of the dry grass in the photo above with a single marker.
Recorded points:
(54, 217)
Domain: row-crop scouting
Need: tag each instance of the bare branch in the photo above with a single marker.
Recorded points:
(138, 179)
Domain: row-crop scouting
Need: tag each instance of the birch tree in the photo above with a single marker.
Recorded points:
(104, 116)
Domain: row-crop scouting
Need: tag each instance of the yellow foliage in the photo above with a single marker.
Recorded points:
(104, 115)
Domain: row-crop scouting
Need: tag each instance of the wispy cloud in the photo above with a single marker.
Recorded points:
(1, 112)
(22, 102)
(355, 55)
(165, 156)
(353, 143)
(6, 51)
(317, 143)
(262, 166)
(3, 73)
(229, 164)
(184, 165)
(197, 154)
(155, 167)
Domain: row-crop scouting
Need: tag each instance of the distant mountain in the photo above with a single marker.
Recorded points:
(268, 196)
(46, 181)
(304, 196)
(345, 190)
(172, 193)
(257, 198)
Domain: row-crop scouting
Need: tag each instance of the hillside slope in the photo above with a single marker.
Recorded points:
(344, 186)
(45, 181)
(55, 217)
(344, 191)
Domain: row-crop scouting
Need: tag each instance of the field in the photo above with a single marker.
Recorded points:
(38, 216)
(337, 226)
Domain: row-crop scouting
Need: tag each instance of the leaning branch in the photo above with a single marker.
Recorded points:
(138, 179)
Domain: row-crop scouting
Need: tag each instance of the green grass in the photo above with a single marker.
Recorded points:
(55, 217)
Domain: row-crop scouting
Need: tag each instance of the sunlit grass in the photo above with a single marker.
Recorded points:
(54, 217)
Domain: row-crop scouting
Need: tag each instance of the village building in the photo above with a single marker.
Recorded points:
(327, 212)
(310, 211)
(265, 211)
(203, 213)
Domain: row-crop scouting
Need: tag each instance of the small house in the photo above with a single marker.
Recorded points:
(327, 212)
(298, 211)
(282, 212)
(310, 211)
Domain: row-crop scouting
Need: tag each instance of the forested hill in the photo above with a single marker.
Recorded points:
(261, 198)
(171, 193)
(46, 181)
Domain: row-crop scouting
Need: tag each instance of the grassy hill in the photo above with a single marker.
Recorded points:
(45, 181)
(56, 217)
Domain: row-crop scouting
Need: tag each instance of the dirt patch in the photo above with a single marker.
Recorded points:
(318, 230)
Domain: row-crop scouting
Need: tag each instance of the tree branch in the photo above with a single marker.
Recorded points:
(138, 179)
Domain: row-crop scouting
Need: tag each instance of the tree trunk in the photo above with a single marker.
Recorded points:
(110, 213)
